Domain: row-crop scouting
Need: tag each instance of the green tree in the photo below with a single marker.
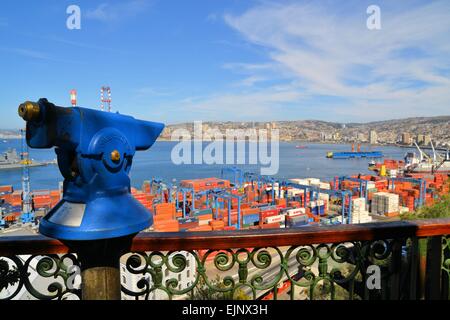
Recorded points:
(440, 209)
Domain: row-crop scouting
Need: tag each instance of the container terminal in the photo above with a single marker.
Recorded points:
(243, 200)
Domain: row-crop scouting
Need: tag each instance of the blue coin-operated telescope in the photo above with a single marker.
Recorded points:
(95, 152)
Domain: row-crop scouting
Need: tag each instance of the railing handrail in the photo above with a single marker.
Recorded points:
(175, 241)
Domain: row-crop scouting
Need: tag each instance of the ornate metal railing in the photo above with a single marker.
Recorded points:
(390, 260)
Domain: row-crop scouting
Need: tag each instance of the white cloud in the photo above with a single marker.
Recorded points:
(37, 55)
(250, 105)
(329, 51)
(107, 12)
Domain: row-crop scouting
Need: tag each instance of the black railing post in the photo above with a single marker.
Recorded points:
(395, 269)
(414, 269)
(434, 268)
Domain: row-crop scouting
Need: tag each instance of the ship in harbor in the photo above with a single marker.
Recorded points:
(10, 160)
(355, 154)
(425, 163)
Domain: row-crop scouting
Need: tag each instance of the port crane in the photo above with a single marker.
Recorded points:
(27, 201)
(237, 173)
(363, 191)
(315, 191)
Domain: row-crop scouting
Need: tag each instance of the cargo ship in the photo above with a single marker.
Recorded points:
(11, 160)
(354, 154)
(424, 163)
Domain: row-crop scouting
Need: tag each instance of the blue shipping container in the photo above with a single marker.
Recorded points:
(250, 218)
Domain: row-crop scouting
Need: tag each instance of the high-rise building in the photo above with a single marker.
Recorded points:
(361, 137)
(373, 137)
(336, 136)
(420, 138)
(406, 138)
(426, 140)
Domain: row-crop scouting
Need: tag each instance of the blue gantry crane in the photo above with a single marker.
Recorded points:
(223, 194)
(363, 191)
(237, 175)
(314, 193)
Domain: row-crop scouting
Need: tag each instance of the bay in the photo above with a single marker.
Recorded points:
(156, 163)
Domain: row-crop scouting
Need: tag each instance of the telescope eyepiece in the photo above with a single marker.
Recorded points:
(29, 111)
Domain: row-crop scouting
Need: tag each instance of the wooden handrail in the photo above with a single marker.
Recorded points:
(155, 241)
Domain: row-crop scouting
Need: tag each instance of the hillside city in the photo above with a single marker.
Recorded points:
(390, 132)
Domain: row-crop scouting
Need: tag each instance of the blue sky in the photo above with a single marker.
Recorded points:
(175, 61)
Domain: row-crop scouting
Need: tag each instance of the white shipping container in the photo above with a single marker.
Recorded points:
(403, 209)
(325, 185)
(273, 219)
(393, 173)
(295, 212)
(304, 182)
(294, 191)
(203, 222)
(370, 184)
(312, 181)
(324, 196)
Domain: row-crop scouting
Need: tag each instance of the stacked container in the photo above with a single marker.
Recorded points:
(359, 212)
(384, 203)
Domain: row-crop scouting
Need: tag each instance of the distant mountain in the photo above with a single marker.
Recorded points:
(388, 131)
(9, 134)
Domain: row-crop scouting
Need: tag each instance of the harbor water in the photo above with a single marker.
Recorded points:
(156, 162)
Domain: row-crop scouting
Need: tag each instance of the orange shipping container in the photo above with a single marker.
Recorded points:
(162, 217)
(249, 211)
(6, 189)
(201, 228)
(168, 229)
(205, 217)
(392, 214)
(275, 225)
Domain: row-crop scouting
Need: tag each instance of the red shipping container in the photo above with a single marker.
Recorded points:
(268, 213)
